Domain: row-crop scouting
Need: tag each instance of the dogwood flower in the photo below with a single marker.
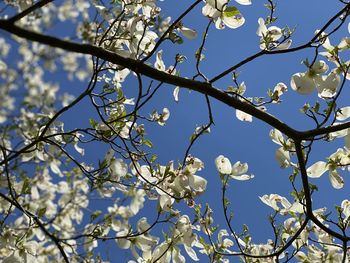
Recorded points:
(223, 165)
(223, 14)
(118, 169)
(274, 200)
(342, 115)
(269, 37)
(302, 83)
(278, 91)
(319, 168)
(239, 172)
(326, 85)
(161, 118)
(282, 154)
(236, 171)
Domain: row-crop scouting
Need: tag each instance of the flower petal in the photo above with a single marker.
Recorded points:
(277, 136)
(243, 177)
(242, 116)
(239, 168)
(317, 169)
(176, 93)
(302, 83)
(319, 67)
(233, 21)
(336, 180)
(244, 2)
(343, 113)
(327, 85)
(262, 29)
(188, 33)
(282, 157)
(223, 164)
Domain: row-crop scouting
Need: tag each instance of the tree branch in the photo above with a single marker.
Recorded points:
(141, 68)
(29, 10)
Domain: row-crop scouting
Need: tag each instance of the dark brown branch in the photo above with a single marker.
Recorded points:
(141, 68)
(29, 10)
(307, 195)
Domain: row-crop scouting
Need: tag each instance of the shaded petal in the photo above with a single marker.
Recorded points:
(277, 136)
(177, 257)
(243, 177)
(327, 85)
(223, 165)
(284, 45)
(159, 64)
(317, 169)
(197, 183)
(176, 93)
(233, 21)
(188, 33)
(262, 29)
(302, 83)
(319, 67)
(239, 168)
(244, 2)
(210, 11)
(347, 140)
(190, 251)
(338, 134)
(343, 113)
(242, 116)
(282, 157)
(336, 180)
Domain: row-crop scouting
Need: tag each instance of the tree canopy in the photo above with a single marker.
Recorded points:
(117, 120)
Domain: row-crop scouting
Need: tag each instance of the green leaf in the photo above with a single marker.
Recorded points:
(231, 11)
(153, 158)
(95, 214)
(25, 186)
(41, 212)
(93, 123)
(148, 143)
